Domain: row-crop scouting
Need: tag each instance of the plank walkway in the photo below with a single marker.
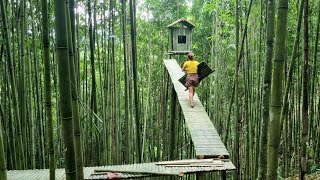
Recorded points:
(153, 169)
(207, 144)
(205, 137)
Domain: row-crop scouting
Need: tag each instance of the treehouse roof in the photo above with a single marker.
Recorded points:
(183, 21)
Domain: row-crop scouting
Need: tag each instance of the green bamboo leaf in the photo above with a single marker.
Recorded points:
(97, 117)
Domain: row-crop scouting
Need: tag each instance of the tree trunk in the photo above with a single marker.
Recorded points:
(65, 88)
(276, 89)
(305, 80)
(127, 127)
(3, 164)
(22, 83)
(266, 91)
(74, 89)
(135, 75)
(317, 150)
(31, 147)
(93, 103)
(47, 86)
(236, 158)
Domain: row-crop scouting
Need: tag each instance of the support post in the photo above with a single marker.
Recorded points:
(200, 176)
(223, 175)
(173, 106)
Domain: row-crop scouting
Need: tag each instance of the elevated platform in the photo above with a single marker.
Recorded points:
(166, 168)
(205, 137)
(178, 52)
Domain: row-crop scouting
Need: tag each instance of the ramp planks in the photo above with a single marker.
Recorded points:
(141, 170)
(205, 137)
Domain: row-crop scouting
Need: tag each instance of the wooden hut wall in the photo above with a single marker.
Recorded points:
(176, 32)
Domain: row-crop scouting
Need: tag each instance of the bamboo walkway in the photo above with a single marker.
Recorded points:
(205, 137)
(166, 168)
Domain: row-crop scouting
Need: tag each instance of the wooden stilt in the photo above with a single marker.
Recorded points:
(200, 176)
(223, 175)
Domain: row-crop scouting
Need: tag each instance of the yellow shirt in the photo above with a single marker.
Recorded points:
(191, 66)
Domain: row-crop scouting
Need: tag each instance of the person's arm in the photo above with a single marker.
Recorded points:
(184, 68)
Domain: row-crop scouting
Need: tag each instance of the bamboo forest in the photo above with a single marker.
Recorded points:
(89, 89)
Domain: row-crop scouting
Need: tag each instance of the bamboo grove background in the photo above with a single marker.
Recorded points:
(103, 60)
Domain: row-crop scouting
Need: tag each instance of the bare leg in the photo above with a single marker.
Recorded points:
(191, 95)
(194, 90)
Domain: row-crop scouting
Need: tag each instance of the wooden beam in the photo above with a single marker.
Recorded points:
(140, 171)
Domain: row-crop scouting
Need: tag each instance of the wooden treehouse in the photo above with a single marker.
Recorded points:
(180, 37)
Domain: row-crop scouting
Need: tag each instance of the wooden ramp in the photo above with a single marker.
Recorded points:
(207, 144)
(165, 168)
(205, 137)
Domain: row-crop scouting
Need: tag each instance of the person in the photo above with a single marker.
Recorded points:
(192, 79)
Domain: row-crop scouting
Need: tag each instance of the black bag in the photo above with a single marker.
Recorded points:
(203, 71)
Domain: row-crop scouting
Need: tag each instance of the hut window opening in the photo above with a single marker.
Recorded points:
(182, 39)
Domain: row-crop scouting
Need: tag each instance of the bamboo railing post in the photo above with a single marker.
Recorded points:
(200, 176)
(173, 106)
(223, 175)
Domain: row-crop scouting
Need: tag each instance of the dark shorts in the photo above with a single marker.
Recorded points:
(192, 80)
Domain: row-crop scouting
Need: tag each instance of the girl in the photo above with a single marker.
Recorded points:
(192, 80)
